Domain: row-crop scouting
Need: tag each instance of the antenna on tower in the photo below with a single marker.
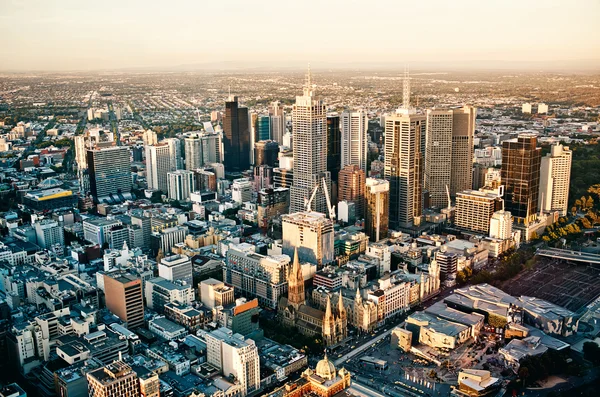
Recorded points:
(406, 89)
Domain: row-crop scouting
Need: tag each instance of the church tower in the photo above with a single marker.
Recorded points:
(329, 329)
(296, 295)
(342, 319)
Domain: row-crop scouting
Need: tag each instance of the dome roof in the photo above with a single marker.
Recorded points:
(325, 369)
(49, 183)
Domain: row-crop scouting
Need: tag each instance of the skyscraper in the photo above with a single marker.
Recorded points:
(555, 176)
(263, 128)
(352, 188)
(354, 127)
(110, 173)
(193, 152)
(521, 177)
(377, 200)
(334, 146)
(311, 234)
(403, 166)
(449, 153)
(277, 115)
(180, 184)
(236, 140)
(158, 163)
(265, 153)
(124, 299)
(309, 119)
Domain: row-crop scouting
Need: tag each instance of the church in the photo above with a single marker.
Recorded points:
(324, 381)
(293, 311)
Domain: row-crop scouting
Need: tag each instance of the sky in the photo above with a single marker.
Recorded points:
(99, 35)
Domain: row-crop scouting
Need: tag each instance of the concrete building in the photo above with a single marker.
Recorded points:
(271, 204)
(124, 298)
(351, 188)
(377, 200)
(403, 167)
(476, 383)
(96, 230)
(309, 120)
(475, 208)
(277, 115)
(312, 234)
(202, 148)
(114, 380)
(180, 184)
(354, 126)
(266, 153)
(234, 355)
(241, 190)
(542, 108)
(241, 317)
(526, 108)
(109, 173)
(159, 162)
(49, 233)
(555, 179)
(159, 291)
(176, 268)
(449, 153)
(165, 239)
(324, 381)
(166, 329)
(501, 225)
(215, 293)
(255, 275)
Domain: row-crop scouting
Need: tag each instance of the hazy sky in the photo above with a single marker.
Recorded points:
(101, 34)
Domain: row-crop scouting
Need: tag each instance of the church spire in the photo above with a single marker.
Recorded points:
(296, 282)
(328, 314)
(341, 308)
(358, 298)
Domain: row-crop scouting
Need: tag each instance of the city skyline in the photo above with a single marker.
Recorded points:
(136, 35)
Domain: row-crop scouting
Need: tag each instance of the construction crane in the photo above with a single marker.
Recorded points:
(330, 208)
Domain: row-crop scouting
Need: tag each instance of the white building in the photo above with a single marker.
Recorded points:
(542, 108)
(312, 233)
(555, 177)
(526, 108)
(166, 329)
(49, 233)
(241, 190)
(158, 291)
(354, 127)
(234, 355)
(501, 225)
(96, 230)
(180, 184)
(176, 267)
(158, 164)
(383, 253)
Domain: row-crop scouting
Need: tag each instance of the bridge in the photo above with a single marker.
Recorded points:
(568, 255)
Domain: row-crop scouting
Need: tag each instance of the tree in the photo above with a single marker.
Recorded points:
(523, 374)
(591, 352)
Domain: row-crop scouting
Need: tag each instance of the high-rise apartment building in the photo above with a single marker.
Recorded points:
(48, 233)
(215, 293)
(449, 153)
(474, 209)
(176, 267)
(241, 190)
(351, 188)
(159, 161)
(234, 355)
(236, 140)
(312, 234)
(501, 225)
(180, 184)
(377, 206)
(255, 275)
(521, 177)
(277, 115)
(354, 126)
(262, 128)
(149, 137)
(403, 167)
(124, 298)
(202, 148)
(555, 177)
(114, 380)
(109, 173)
(309, 120)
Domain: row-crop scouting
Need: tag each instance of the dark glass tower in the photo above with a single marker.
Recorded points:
(334, 146)
(521, 177)
(236, 136)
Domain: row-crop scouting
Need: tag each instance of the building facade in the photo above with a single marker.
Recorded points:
(354, 126)
(236, 139)
(377, 201)
(555, 177)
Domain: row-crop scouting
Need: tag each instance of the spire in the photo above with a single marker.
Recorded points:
(296, 268)
(406, 90)
(328, 314)
(308, 83)
(358, 297)
(341, 308)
